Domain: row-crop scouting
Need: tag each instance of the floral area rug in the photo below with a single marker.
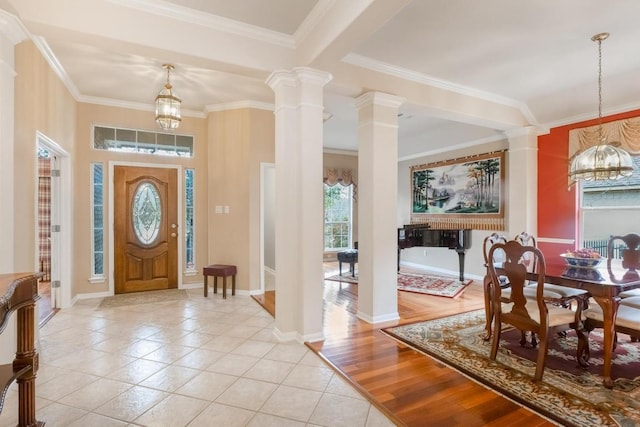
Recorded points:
(421, 283)
(567, 394)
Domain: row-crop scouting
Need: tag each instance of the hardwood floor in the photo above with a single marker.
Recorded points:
(411, 388)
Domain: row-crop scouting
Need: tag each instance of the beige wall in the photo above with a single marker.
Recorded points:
(442, 259)
(239, 141)
(91, 114)
(42, 103)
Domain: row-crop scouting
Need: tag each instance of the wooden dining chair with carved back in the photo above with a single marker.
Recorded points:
(523, 313)
(556, 294)
(630, 255)
(489, 241)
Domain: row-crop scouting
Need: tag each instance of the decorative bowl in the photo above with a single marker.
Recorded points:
(581, 262)
(583, 274)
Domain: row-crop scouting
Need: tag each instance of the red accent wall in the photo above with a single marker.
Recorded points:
(557, 203)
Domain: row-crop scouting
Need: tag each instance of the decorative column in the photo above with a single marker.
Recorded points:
(377, 202)
(299, 236)
(522, 181)
(11, 33)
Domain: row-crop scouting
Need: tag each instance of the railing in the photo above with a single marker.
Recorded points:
(601, 247)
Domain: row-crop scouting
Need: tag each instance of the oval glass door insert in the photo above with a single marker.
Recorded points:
(146, 213)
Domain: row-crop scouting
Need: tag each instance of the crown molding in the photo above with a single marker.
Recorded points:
(12, 27)
(109, 102)
(591, 116)
(340, 151)
(55, 65)
(461, 146)
(240, 105)
(403, 73)
(214, 22)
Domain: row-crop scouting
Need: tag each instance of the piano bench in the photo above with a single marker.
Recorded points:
(350, 256)
(220, 270)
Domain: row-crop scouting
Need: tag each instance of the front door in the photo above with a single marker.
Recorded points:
(145, 229)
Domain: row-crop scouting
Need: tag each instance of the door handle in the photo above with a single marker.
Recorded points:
(173, 234)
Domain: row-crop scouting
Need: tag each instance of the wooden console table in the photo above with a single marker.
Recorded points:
(19, 292)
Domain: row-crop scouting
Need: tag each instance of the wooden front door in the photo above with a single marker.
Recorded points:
(145, 229)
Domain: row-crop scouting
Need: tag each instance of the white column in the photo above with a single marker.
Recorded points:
(299, 213)
(11, 33)
(522, 179)
(377, 202)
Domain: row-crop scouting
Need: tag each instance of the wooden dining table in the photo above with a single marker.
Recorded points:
(604, 282)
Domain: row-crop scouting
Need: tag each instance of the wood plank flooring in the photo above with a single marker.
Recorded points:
(411, 388)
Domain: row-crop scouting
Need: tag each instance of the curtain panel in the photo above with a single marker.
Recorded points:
(626, 131)
(338, 176)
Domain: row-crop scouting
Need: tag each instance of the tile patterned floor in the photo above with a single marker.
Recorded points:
(195, 362)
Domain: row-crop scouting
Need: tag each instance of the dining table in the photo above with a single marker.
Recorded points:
(604, 282)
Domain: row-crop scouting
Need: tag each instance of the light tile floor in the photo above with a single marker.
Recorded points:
(192, 362)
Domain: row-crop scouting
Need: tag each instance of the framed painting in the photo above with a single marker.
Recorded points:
(460, 193)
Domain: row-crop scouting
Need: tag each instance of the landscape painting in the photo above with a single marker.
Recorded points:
(469, 187)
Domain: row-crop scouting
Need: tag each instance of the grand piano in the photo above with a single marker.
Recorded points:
(422, 235)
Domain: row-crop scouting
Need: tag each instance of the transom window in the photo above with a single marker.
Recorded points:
(140, 141)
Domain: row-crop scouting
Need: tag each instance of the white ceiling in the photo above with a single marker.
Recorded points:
(469, 70)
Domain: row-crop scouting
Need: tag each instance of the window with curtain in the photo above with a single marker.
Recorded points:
(608, 207)
(338, 208)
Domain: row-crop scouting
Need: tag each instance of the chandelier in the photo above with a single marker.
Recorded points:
(168, 104)
(605, 160)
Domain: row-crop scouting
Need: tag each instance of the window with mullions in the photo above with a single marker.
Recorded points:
(97, 223)
(190, 259)
(609, 208)
(338, 208)
(140, 141)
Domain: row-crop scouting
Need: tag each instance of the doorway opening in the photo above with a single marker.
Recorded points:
(53, 226)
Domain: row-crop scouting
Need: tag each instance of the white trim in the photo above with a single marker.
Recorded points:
(449, 148)
(60, 297)
(96, 279)
(289, 336)
(12, 27)
(377, 319)
(264, 166)
(237, 105)
(110, 219)
(312, 20)
(403, 73)
(556, 240)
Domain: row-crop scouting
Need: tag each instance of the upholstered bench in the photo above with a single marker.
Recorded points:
(220, 270)
(350, 256)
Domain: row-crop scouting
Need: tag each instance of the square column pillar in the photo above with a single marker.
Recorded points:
(377, 205)
(299, 223)
(11, 33)
(522, 181)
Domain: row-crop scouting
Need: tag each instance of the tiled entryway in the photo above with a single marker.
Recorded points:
(191, 362)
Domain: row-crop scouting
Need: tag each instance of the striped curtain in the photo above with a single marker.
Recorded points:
(44, 217)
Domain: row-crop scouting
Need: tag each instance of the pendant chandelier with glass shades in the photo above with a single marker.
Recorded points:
(606, 160)
(168, 104)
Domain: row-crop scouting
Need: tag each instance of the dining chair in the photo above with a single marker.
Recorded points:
(489, 241)
(530, 292)
(630, 257)
(627, 321)
(566, 295)
(523, 313)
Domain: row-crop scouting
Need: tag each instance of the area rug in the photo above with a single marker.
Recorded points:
(421, 283)
(144, 297)
(344, 277)
(567, 394)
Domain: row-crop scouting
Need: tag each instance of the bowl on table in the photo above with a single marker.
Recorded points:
(583, 262)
